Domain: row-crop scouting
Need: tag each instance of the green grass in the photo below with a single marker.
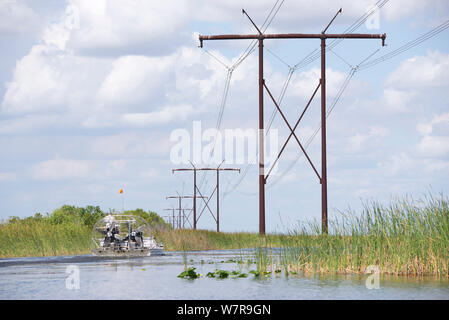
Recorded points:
(41, 238)
(188, 240)
(407, 237)
(66, 231)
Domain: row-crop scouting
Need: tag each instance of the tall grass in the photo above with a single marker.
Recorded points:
(42, 238)
(405, 238)
(188, 239)
(66, 231)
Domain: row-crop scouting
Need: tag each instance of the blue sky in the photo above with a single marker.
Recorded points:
(91, 91)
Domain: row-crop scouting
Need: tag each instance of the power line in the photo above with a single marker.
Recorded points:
(309, 58)
(249, 50)
(377, 6)
(362, 66)
(340, 92)
(407, 46)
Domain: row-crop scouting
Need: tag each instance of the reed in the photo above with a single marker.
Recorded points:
(66, 231)
(407, 237)
(190, 240)
(35, 238)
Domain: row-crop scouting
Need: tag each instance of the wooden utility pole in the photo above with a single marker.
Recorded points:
(180, 209)
(216, 189)
(322, 36)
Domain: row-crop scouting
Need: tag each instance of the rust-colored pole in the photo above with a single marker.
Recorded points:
(323, 38)
(180, 212)
(261, 144)
(323, 138)
(218, 201)
(194, 198)
(183, 219)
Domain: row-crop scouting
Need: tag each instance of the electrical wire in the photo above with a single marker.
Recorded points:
(407, 46)
(309, 58)
(250, 49)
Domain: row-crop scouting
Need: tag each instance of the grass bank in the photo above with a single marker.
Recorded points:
(38, 238)
(406, 237)
(188, 240)
(65, 231)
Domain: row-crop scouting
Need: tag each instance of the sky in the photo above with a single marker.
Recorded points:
(92, 91)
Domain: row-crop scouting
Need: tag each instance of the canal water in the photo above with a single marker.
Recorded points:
(88, 277)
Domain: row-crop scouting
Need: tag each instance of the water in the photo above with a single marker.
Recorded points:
(156, 278)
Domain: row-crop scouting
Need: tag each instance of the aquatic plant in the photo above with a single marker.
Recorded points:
(189, 274)
(259, 273)
(223, 274)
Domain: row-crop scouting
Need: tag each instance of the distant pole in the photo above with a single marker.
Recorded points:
(216, 189)
(179, 197)
(194, 198)
(218, 201)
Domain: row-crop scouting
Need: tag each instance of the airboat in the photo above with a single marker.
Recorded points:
(124, 235)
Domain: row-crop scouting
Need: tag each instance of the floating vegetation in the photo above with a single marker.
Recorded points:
(259, 274)
(223, 274)
(189, 273)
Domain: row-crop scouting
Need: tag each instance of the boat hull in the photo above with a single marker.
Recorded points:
(106, 252)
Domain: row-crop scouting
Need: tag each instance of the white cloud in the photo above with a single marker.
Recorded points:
(111, 24)
(397, 164)
(397, 100)
(149, 174)
(427, 12)
(58, 169)
(435, 140)
(73, 169)
(434, 146)
(439, 122)
(17, 18)
(167, 114)
(420, 72)
(115, 167)
(48, 80)
(304, 83)
(411, 86)
(374, 134)
(129, 145)
(135, 79)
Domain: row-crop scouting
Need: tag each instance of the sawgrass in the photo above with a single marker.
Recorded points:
(407, 237)
(66, 231)
(34, 238)
(191, 240)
